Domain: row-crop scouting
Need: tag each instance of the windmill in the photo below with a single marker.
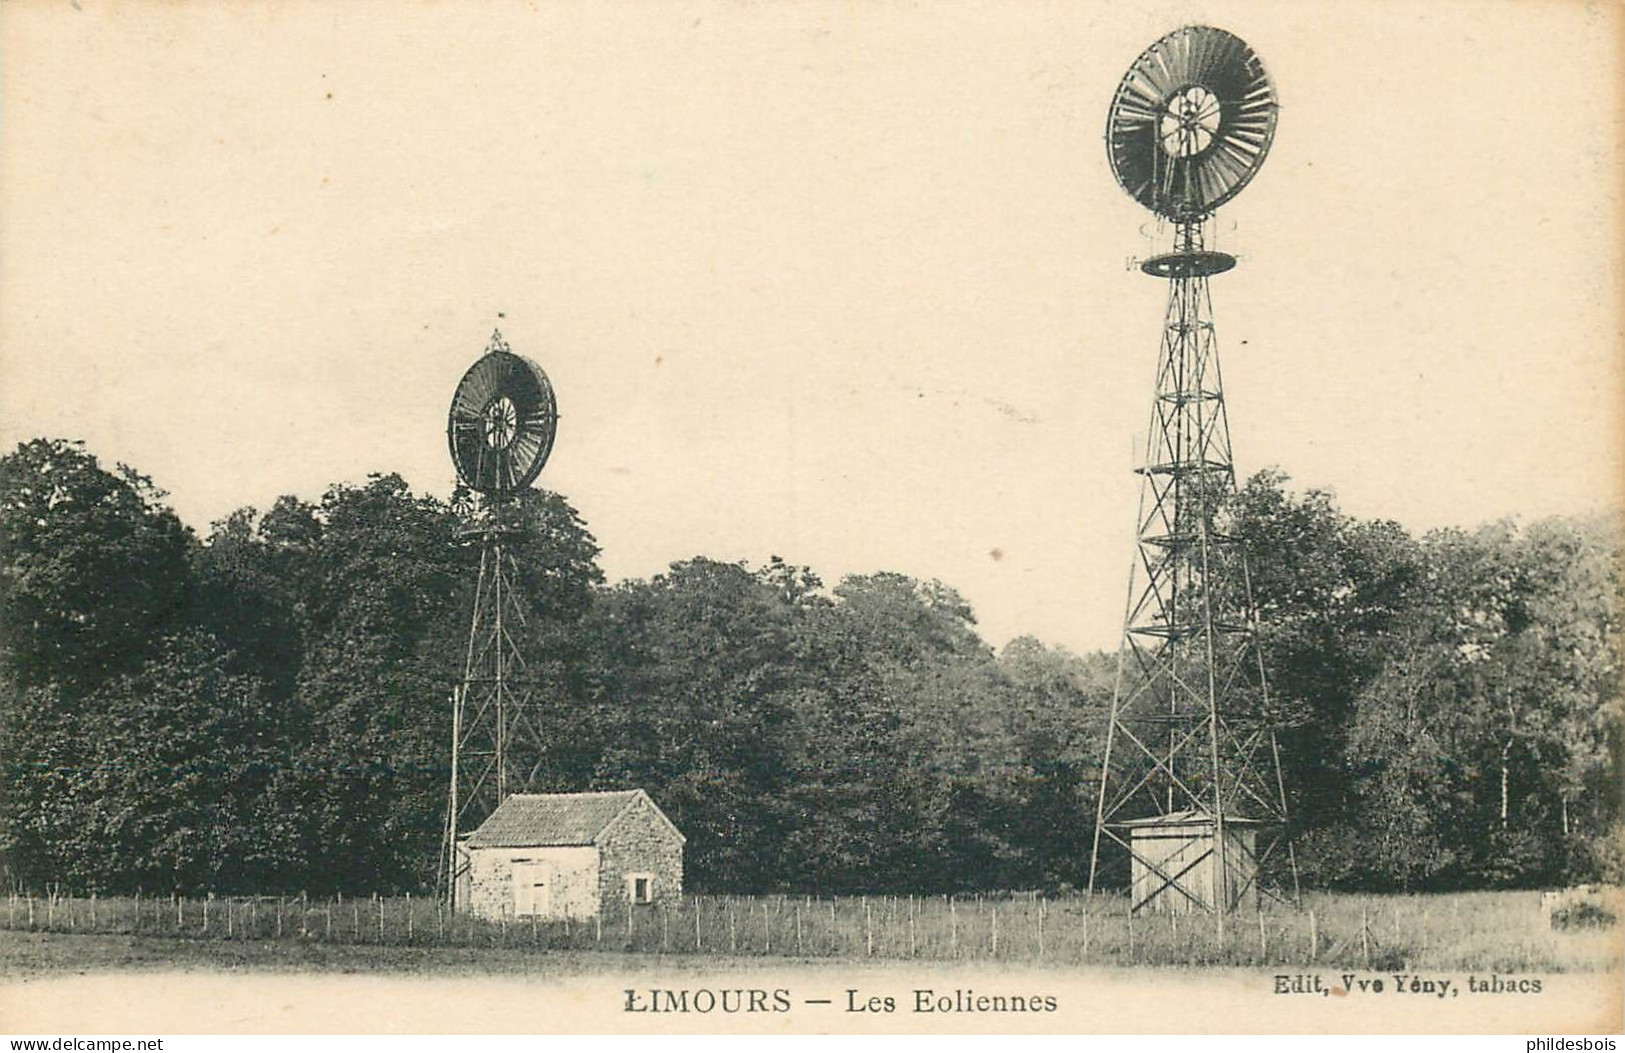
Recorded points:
(500, 430)
(1190, 794)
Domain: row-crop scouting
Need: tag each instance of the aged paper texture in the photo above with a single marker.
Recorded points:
(854, 285)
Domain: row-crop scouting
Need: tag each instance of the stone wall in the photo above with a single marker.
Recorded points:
(639, 841)
(571, 873)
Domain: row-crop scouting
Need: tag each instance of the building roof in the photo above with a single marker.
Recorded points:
(546, 820)
(1187, 817)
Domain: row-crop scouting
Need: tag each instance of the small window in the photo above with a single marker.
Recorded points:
(640, 888)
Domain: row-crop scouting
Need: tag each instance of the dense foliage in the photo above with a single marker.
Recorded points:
(266, 708)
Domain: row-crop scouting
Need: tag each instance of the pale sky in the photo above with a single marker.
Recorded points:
(843, 282)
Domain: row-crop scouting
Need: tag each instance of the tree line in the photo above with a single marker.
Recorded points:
(266, 708)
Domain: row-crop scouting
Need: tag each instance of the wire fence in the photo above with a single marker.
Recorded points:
(1368, 932)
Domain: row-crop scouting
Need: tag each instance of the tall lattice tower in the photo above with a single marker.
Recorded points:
(1191, 813)
(501, 427)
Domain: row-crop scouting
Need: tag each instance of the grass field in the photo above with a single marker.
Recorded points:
(37, 953)
(1492, 931)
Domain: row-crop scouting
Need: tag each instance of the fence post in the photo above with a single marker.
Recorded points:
(279, 912)
(995, 951)
(665, 929)
(798, 929)
(1041, 928)
(868, 928)
(733, 935)
(1263, 941)
(953, 929)
(379, 903)
(31, 909)
(180, 911)
(699, 906)
(253, 914)
(93, 909)
(355, 920)
(1365, 936)
(767, 932)
(206, 899)
(329, 927)
(229, 920)
(598, 924)
(1088, 912)
(834, 932)
(911, 941)
(411, 930)
(1314, 938)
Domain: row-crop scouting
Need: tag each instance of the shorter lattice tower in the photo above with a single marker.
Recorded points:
(501, 427)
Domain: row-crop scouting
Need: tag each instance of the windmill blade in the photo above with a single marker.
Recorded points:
(1191, 122)
(501, 424)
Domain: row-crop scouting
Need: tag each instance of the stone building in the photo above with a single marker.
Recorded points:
(571, 855)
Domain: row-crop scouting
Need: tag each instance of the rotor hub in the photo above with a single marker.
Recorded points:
(501, 423)
(1190, 122)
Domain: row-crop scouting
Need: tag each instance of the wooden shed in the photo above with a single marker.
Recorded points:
(1175, 863)
(571, 855)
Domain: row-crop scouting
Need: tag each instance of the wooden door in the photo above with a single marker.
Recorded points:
(532, 889)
